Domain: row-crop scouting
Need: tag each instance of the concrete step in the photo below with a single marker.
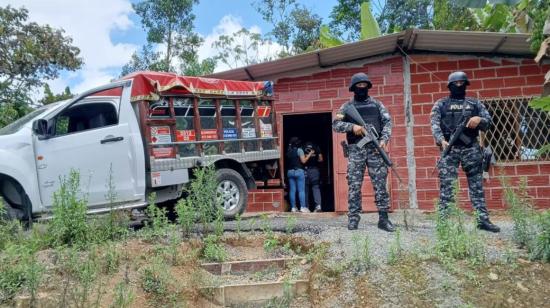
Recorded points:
(253, 294)
(248, 266)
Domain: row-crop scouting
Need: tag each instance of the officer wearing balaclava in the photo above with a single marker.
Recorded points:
(374, 113)
(447, 114)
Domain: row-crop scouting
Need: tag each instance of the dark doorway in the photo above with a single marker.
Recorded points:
(317, 128)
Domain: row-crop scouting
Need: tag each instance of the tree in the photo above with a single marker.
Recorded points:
(346, 19)
(391, 15)
(448, 15)
(295, 27)
(169, 23)
(241, 48)
(50, 98)
(145, 60)
(306, 34)
(31, 54)
(369, 28)
(190, 65)
(397, 15)
(166, 22)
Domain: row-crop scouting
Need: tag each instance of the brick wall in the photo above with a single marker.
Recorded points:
(265, 200)
(327, 91)
(490, 78)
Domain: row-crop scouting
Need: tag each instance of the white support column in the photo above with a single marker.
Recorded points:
(409, 140)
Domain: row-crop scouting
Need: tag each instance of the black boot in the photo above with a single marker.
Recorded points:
(487, 225)
(353, 223)
(384, 222)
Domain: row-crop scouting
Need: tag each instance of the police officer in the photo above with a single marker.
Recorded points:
(374, 113)
(313, 174)
(447, 114)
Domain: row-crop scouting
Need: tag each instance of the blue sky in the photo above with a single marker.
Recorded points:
(108, 31)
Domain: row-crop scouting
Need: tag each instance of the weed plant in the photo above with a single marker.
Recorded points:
(271, 242)
(290, 224)
(186, 216)
(156, 278)
(361, 258)
(396, 249)
(213, 250)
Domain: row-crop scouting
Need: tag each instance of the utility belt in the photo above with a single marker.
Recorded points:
(465, 146)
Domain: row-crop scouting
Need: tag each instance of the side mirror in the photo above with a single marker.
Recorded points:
(40, 128)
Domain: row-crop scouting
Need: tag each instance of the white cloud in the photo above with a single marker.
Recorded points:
(228, 25)
(89, 23)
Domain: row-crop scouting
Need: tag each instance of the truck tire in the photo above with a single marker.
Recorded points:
(16, 211)
(231, 188)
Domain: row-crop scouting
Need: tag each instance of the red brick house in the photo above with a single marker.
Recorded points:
(409, 72)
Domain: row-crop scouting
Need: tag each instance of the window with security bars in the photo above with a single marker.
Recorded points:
(518, 131)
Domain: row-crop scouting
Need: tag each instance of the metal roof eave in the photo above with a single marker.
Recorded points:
(410, 40)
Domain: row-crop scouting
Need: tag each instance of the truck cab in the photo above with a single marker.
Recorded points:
(145, 133)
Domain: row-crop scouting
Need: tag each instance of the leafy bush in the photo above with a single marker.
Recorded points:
(454, 241)
(158, 224)
(186, 216)
(531, 229)
(10, 230)
(19, 269)
(202, 195)
(541, 245)
(396, 250)
(68, 225)
(213, 250)
(521, 210)
(155, 278)
(361, 258)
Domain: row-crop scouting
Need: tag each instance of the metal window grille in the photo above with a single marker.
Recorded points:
(518, 131)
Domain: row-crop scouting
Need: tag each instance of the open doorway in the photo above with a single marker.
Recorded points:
(316, 128)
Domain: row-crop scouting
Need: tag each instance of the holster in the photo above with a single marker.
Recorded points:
(345, 148)
(487, 159)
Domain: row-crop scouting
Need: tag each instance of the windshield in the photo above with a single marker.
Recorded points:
(15, 126)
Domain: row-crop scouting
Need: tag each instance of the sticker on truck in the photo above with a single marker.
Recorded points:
(160, 134)
(185, 135)
(249, 132)
(266, 130)
(230, 133)
(155, 179)
(209, 134)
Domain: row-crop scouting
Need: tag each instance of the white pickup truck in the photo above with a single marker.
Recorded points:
(151, 129)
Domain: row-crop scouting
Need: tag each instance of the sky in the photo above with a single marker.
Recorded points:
(108, 31)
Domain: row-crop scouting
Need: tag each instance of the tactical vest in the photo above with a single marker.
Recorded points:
(293, 160)
(451, 116)
(371, 115)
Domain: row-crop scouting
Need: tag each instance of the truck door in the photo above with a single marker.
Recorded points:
(87, 136)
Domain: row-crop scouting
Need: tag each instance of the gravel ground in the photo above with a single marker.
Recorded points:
(440, 289)
(332, 228)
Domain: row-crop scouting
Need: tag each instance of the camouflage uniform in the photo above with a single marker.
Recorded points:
(368, 156)
(470, 157)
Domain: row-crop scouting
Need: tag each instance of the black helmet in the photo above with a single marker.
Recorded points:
(357, 78)
(456, 76)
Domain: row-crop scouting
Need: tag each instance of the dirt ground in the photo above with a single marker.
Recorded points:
(415, 278)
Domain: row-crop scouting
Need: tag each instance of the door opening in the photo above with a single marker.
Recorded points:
(315, 128)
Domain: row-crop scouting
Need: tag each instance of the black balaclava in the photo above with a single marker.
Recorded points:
(458, 92)
(361, 94)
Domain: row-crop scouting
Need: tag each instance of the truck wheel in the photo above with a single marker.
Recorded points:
(231, 189)
(18, 210)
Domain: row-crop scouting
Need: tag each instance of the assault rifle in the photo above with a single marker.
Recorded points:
(458, 134)
(369, 136)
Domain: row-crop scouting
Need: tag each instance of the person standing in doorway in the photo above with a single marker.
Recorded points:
(470, 115)
(375, 114)
(295, 159)
(313, 175)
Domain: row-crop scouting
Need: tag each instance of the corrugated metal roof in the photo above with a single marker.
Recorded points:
(412, 40)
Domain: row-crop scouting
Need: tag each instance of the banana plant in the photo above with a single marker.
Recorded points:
(369, 29)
